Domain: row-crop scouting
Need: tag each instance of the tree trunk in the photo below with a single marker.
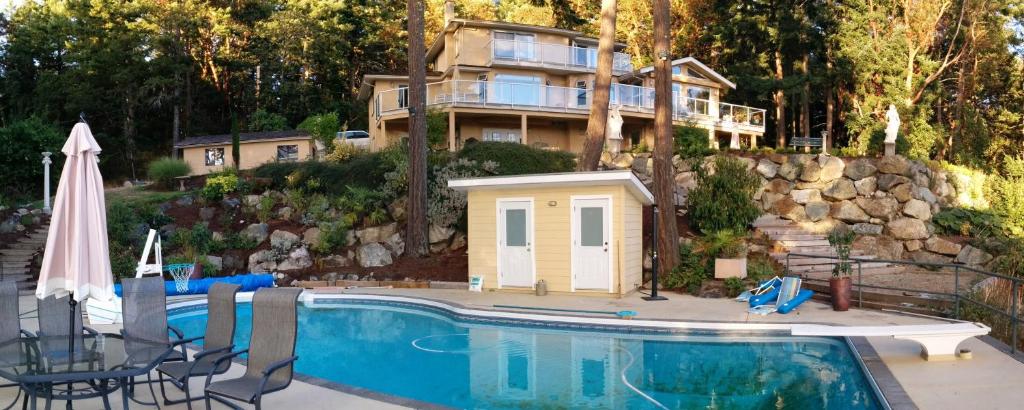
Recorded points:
(805, 98)
(597, 124)
(416, 227)
(830, 139)
(779, 98)
(664, 178)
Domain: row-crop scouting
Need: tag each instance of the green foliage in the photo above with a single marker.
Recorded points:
(968, 222)
(21, 145)
(726, 244)
(324, 127)
(123, 260)
(122, 222)
(517, 159)
(841, 240)
(164, 170)
(734, 286)
(759, 269)
(265, 208)
(445, 206)
(1005, 193)
(234, 240)
(359, 202)
(725, 199)
(437, 129)
(969, 183)
(690, 273)
(263, 120)
(691, 141)
(365, 170)
(342, 152)
(333, 235)
(217, 186)
(194, 242)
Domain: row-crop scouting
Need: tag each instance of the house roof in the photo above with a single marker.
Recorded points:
(438, 43)
(244, 137)
(714, 75)
(593, 178)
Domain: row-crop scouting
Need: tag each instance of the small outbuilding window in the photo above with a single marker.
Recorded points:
(287, 153)
(214, 157)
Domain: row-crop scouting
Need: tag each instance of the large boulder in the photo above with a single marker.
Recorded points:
(231, 262)
(767, 168)
(207, 213)
(867, 229)
(623, 160)
(882, 208)
(928, 257)
(803, 196)
(438, 234)
(251, 200)
(840, 189)
(811, 172)
(888, 181)
(790, 209)
(914, 245)
(866, 186)
(376, 233)
(216, 262)
(779, 186)
(918, 209)
(789, 171)
(894, 164)
(311, 236)
(907, 228)
(859, 169)
(970, 255)
(395, 244)
(847, 211)
(942, 246)
(255, 232)
(817, 210)
(883, 247)
(283, 240)
(262, 261)
(768, 200)
(297, 259)
(397, 208)
(373, 255)
(336, 261)
(831, 167)
(925, 194)
(778, 158)
(901, 192)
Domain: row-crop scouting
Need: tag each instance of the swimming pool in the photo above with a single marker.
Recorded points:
(430, 355)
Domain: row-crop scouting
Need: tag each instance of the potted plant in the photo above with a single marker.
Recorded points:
(730, 252)
(840, 285)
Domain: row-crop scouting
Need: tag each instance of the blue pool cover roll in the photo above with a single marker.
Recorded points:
(248, 282)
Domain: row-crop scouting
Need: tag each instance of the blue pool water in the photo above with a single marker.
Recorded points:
(425, 355)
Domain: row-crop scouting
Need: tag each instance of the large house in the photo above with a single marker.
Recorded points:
(499, 81)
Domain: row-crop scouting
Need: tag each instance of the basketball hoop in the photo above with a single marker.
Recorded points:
(181, 273)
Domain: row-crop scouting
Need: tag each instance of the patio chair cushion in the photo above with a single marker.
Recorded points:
(245, 388)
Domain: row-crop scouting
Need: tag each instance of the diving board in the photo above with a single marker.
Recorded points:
(938, 342)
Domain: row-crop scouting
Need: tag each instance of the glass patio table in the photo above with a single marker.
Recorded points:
(98, 365)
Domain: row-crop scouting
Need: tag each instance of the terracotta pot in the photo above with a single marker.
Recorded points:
(197, 272)
(841, 289)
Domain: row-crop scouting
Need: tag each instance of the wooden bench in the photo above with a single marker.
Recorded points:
(799, 142)
(938, 342)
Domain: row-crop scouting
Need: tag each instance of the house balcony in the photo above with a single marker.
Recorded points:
(553, 56)
(631, 99)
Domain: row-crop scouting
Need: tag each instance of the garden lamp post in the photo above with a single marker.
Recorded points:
(46, 181)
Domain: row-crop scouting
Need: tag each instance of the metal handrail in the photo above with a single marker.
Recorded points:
(558, 55)
(956, 296)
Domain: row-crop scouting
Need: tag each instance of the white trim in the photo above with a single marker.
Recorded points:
(531, 243)
(680, 61)
(573, 237)
(593, 178)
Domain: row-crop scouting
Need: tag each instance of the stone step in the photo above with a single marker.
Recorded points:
(13, 271)
(17, 252)
(797, 261)
(797, 237)
(796, 244)
(26, 245)
(828, 267)
(770, 220)
(15, 278)
(13, 265)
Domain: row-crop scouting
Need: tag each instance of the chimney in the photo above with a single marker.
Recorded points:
(449, 11)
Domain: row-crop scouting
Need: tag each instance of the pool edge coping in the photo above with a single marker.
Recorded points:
(887, 388)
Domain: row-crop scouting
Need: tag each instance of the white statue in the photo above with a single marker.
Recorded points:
(613, 132)
(892, 127)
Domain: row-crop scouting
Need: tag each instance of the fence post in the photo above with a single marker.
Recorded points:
(860, 285)
(956, 292)
(1015, 318)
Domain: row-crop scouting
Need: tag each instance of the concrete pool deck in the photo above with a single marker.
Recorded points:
(991, 380)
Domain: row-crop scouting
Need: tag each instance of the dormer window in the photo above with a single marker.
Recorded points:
(695, 74)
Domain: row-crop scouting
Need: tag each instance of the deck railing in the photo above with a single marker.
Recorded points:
(962, 295)
(548, 98)
(553, 55)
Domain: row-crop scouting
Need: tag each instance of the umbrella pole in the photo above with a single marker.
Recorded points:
(72, 303)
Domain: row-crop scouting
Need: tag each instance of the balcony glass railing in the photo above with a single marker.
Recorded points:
(537, 97)
(553, 55)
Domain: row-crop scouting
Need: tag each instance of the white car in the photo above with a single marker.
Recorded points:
(359, 139)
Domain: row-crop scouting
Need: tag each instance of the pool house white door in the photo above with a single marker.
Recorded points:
(591, 237)
(515, 243)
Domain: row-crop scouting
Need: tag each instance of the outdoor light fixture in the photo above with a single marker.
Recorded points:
(552, 203)
(663, 55)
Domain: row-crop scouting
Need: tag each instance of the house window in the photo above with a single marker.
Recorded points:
(698, 99)
(677, 70)
(287, 153)
(502, 135)
(584, 56)
(517, 89)
(481, 87)
(694, 74)
(581, 93)
(403, 96)
(214, 157)
(679, 102)
(513, 46)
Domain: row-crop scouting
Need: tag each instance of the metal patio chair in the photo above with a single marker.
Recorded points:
(145, 329)
(271, 351)
(11, 350)
(218, 341)
(55, 322)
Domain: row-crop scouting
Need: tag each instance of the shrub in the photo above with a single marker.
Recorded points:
(759, 269)
(21, 143)
(265, 209)
(437, 129)
(690, 273)
(691, 142)
(365, 170)
(1006, 195)
(164, 170)
(323, 127)
(733, 287)
(725, 199)
(517, 159)
(968, 222)
(194, 242)
(342, 152)
(725, 243)
(123, 260)
(359, 202)
(446, 206)
(262, 120)
(333, 235)
(219, 185)
(122, 223)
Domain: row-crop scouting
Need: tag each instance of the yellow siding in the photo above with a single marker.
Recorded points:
(552, 235)
(253, 154)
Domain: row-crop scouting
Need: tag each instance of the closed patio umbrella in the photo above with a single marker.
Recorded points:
(77, 257)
